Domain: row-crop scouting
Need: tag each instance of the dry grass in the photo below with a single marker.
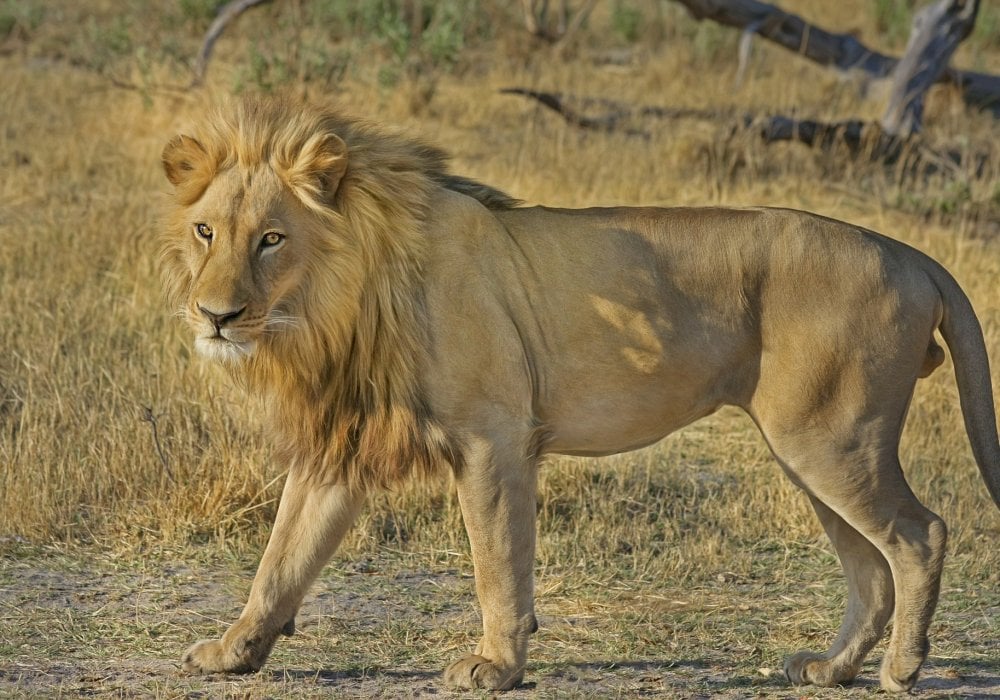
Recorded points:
(93, 367)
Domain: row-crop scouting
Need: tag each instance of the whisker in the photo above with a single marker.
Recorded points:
(279, 319)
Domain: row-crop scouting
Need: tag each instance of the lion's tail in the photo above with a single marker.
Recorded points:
(964, 336)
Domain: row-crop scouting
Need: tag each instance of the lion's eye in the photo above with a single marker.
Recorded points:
(271, 239)
(204, 232)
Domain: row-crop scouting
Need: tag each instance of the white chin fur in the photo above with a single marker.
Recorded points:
(225, 351)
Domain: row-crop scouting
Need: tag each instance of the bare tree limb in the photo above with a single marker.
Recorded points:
(615, 114)
(937, 31)
(771, 128)
(746, 41)
(841, 51)
(578, 19)
(536, 19)
(862, 139)
(229, 12)
(531, 18)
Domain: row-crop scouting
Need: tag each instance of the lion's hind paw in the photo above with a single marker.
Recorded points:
(810, 668)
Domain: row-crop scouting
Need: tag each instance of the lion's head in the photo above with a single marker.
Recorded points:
(292, 246)
(286, 217)
(254, 211)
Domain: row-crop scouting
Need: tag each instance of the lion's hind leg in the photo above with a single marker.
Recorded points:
(865, 487)
(831, 401)
(869, 607)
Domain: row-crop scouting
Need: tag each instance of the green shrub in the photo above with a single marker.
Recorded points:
(626, 21)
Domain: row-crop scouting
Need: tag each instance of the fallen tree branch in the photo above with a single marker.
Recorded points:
(860, 138)
(790, 31)
(615, 113)
(841, 51)
(937, 31)
(229, 12)
(857, 136)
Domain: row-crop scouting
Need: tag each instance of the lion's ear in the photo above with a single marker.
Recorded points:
(318, 167)
(183, 159)
(189, 167)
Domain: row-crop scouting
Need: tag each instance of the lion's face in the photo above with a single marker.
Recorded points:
(245, 261)
(242, 239)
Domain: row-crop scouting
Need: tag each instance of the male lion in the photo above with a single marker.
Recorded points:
(398, 318)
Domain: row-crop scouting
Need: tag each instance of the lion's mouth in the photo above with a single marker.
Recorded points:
(222, 349)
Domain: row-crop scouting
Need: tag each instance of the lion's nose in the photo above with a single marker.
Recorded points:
(221, 318)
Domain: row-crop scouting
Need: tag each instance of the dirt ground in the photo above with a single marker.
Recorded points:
(73, 625)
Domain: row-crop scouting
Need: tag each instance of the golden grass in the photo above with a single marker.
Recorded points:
(88, 345)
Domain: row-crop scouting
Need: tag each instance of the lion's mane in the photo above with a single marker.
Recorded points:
(340, 387)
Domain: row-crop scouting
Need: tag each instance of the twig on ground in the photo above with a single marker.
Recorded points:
(148, 417)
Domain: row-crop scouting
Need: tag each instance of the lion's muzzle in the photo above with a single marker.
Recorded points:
(219, 319)
(222, 338)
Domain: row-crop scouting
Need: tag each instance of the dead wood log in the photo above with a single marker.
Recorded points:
(937, 31)
(857, 136)
(229, 12)
(861, 139)
(841, 51)
(615, 115)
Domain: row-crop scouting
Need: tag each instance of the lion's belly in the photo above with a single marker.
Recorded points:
(602, 417)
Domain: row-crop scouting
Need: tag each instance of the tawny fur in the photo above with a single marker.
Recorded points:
(397, 318)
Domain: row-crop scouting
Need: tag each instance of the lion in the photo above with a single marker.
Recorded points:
(399, 319)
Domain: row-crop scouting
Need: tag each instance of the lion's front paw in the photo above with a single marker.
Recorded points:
(894, 682)
(209, 656)
(474, 672)
(806, 667)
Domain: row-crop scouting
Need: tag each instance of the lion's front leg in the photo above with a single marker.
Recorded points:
(497, 495)
(312, 520)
